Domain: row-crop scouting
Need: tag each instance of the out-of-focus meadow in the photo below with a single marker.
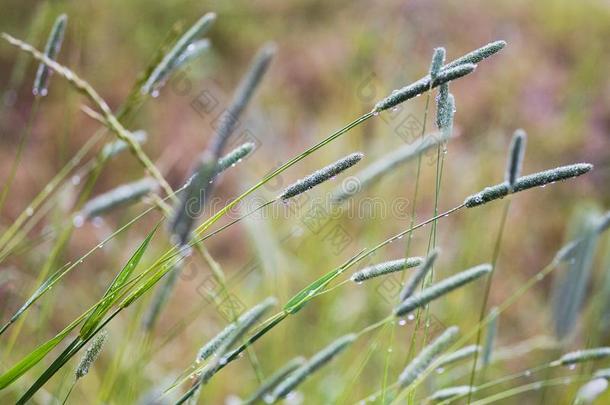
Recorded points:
(334, 60)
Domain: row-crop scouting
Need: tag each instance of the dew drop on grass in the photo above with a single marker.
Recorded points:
(75, 180)
(155, 93)
(440, 370)
(572, 367)
(78, 221)
(97, 222)
(29, 211)
(402, 322)
(528, 373)
(411, 317)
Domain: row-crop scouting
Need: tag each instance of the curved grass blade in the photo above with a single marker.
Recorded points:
(110, 296)
(70, 351)
(37, 354)
(39, 291)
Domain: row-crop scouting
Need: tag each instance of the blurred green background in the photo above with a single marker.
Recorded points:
(334, 60)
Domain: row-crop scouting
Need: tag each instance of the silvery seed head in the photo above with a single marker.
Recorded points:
(51, 50)
(515, 157)
(91, 354)
(419, 275)
(384, 268)
(426, 356)
(234, 156)
(523, 183)
(171, 59)
(438, 58)
(441, 288)
(321, 176)
(119, 196)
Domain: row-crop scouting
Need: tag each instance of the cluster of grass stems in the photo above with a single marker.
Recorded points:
(188, 238)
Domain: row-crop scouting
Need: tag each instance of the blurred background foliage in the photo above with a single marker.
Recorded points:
(334, 60)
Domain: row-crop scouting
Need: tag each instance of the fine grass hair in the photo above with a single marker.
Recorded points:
(384, 268)
(320, 176)
(441, 288)
(51, 50)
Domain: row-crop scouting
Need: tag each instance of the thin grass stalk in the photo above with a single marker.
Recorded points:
(408, 242)
(488, 285)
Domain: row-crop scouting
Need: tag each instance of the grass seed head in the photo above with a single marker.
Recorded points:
(526, 182)
(478, 55)
(515, 157)
(178, 51)
(421, 86)
(383, 166)
(458, 355)
(113, 148)
(119, 196)
(419, 275)
(441, 288)
(242, 96)
(588, 393)
(210, 347)
(438, 58)
(426, 356)
(316, 361)
(388, 267)
(581, 356)
(193, 198)
(321, 176)
(235, 156)
(91, 354)
(274, 380)
(51, 50)
(448, 393)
